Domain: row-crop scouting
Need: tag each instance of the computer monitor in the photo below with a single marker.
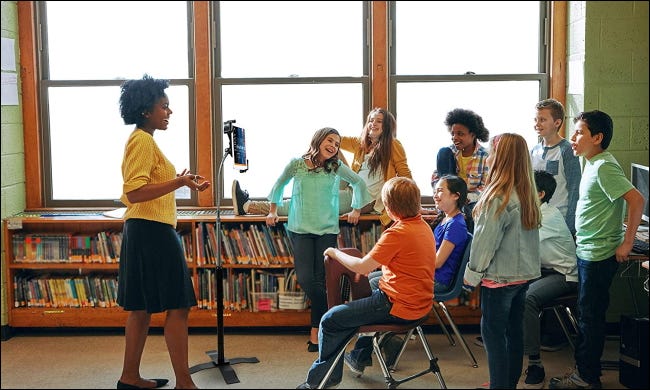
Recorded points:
(639, 178)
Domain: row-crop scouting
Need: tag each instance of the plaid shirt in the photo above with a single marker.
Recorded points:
(476, 169)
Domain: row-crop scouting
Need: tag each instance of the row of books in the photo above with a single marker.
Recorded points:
(48, 290)
(253, 243)
(352, 236)
(262, 245)
(247, 244)
(65, 291)
(102, 248)
(239, 284)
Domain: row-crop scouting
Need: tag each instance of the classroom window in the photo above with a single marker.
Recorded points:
(284, 70)
(490, 57)
(88, 49)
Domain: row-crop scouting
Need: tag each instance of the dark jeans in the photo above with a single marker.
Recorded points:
(503, 333)
(594, 280)
(445, 162)
(341, 323)
(310, 269)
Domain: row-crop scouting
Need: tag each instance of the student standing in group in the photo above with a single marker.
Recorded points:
(553, 154)
(313, 221)
(557, 253)
(504, 255)
(153, 275)
(377, 156)
(600, 240)
(406, 254)
(465, 157)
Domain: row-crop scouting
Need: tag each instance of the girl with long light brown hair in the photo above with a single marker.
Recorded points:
(504, 255)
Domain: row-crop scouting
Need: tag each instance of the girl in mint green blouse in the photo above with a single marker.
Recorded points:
(313, 221)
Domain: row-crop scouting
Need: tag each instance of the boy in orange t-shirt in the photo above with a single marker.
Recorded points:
(406, 252)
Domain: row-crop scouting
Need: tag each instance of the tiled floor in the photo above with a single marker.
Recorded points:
(93, 360)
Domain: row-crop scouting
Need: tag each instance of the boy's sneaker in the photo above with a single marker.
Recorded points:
(572, 381)
(479, 341)
(239, 197)
(534, 377)
(352, 364)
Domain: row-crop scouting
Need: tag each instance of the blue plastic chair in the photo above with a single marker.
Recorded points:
(454, 292)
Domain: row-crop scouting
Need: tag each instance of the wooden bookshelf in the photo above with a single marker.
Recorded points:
(101, 317)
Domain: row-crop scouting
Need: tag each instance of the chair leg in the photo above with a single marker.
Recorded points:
(322, 383)
(460, 337)
(569, 338)
(392, 382)
(433, 361)
(442, 325)
(407, 337)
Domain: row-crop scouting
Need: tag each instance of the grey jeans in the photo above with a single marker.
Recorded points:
(551, 285)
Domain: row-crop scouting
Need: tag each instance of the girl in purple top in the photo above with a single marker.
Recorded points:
(449, 229)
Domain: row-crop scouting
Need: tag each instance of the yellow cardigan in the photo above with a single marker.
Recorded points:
(396, 167)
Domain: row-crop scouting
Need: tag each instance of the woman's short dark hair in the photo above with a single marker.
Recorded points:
(137, 97)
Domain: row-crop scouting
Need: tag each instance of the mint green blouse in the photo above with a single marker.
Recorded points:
(314, 205)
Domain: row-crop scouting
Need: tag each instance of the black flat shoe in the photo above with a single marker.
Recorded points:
(159, 383)
(311, 347)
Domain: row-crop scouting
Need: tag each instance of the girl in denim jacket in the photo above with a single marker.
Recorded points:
(504, 255)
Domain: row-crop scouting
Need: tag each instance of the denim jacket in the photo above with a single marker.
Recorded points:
(502, 251)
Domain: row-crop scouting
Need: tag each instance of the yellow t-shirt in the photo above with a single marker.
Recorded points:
(144, 163)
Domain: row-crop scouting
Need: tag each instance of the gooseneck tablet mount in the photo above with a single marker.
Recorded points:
(217, 356)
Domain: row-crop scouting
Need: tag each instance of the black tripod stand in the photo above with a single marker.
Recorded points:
(217, 356)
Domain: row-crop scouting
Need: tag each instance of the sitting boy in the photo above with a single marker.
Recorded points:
(406, 253)
(557, 254)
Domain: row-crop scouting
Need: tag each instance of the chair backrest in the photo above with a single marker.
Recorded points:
(339, 280)
(457, 283)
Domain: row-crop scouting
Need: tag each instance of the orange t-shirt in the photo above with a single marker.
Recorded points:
(407, 253)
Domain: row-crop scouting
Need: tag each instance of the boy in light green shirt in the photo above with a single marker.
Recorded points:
(600, 240)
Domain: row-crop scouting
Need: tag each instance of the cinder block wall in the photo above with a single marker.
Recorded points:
(608, 70)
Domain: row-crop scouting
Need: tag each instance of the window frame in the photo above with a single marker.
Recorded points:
(219, 82)
(543, 77)
(45, 83)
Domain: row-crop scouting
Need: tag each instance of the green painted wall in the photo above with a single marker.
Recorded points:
(13, 156)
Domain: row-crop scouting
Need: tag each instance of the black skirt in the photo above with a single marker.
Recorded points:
(153, 273)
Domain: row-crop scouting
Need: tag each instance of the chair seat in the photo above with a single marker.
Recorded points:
(394, 328)
(565, 300)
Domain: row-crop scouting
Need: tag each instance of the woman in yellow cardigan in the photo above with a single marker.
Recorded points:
(377, 157)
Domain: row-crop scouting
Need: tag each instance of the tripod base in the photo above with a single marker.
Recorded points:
(228, 373)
